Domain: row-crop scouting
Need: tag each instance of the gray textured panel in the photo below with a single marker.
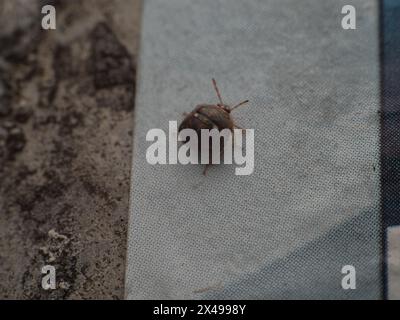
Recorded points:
(314, 98)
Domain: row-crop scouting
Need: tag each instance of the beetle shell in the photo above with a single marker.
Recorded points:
(210, 116)
(207, 116)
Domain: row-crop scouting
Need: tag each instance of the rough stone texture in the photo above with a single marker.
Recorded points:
(66, 102)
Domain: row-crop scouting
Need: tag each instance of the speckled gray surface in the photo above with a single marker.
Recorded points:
(311, 205)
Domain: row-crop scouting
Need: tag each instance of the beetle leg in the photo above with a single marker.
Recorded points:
(237, 127)
(185, 114)
(233, 137)
(205, 169)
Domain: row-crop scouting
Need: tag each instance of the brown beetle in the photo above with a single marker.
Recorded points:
(210, 116)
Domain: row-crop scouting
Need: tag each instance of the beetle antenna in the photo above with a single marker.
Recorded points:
(239, 104)
(217, 91)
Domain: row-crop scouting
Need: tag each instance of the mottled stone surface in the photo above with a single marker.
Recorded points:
(66, 110)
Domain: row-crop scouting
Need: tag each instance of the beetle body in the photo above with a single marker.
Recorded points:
(210, 116)
(207, 116)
